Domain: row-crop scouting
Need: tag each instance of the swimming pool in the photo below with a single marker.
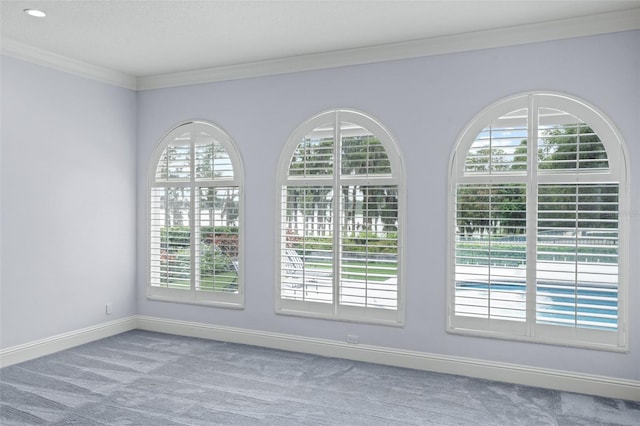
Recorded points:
(556, 303)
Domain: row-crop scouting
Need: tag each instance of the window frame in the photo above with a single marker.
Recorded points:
(335, 310)
(617, 172)
(193, 296)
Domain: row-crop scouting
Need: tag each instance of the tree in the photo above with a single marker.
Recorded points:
(311, 158)
(472, 209)
(511, 212)
(520, 156)
(566, 147)
(389, 210)
(485, 159)
(230, 207)
(363, 155)
(572, 147)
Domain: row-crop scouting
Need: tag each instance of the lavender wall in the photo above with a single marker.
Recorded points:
(68, 202)
(75, 158)
(425, 103)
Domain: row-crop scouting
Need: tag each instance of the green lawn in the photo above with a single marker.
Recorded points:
(224, 281)
(373, 271)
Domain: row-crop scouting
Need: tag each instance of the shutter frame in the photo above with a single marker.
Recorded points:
(365, 176)
(592, 215)
(221, 175)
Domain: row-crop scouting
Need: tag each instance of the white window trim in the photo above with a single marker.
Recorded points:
(529, 331)
(336, 311)
(214, 299)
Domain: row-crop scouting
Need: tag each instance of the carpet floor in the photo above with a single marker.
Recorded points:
(146, 378)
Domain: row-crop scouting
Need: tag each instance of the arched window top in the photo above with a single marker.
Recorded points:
(538, 225)
(343, 143)
(196, 151)
(568, 137)
(341, 218)
(196, 218)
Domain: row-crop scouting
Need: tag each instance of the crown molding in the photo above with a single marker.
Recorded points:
(612, 22)
(25, 52)
(554, 30)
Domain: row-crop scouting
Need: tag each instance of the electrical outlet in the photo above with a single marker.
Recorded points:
(352, 338)
(108, 309)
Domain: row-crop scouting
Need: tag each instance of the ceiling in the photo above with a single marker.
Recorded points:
(147, 37)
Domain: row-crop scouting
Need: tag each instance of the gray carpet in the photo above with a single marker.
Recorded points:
(144, 378)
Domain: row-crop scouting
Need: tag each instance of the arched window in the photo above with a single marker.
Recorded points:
(195, 218)
(538, 191)
(341, 205)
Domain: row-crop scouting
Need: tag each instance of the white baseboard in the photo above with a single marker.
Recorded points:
(38, 348)
(609, 387)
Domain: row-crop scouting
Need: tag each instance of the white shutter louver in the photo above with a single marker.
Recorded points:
(195, 218)
(170, 237)
(577, 255)
(566, 143)
(500, 147)
(490, 259)
(307, 246)
(339, 223)
(537, 241)
(369, 258)
(216, 253)
(175, 164)
(362, 154)
(314, 154)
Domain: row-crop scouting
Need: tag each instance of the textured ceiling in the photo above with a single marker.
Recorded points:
(143, 38)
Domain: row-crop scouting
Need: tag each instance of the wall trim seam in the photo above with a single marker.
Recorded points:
(610, 387)
(60, 342)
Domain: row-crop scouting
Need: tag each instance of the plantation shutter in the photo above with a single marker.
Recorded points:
(307, 249)
(216, 252)
(195, 218)
(500, 147)
(368, 259)
(491, 239)
(577, 226)
(568, 143)
(491, 251)
(170, 237)
(537, 237)
(577, 255)
(339, 222)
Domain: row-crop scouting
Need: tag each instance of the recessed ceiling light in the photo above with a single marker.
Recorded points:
(35, 13)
